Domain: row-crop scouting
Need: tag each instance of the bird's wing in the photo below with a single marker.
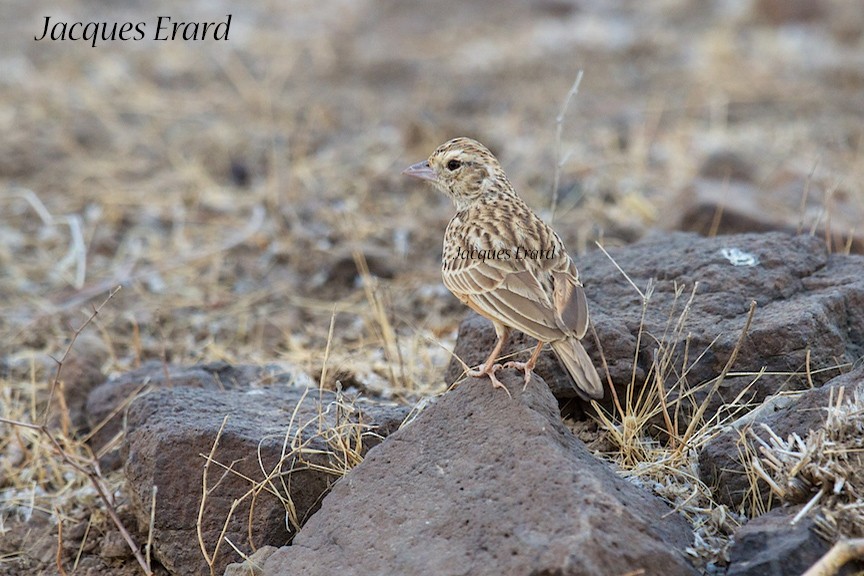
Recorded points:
(508, 293)
(569, 298)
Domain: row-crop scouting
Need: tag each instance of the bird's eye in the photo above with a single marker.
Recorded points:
(454, 165)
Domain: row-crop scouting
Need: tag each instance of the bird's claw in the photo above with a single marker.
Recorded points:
(489, 371)
(526, 367)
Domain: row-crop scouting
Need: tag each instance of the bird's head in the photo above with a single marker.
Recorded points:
(464, 170)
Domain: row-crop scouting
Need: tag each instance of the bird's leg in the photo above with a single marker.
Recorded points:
(527, 367)
(489, 367)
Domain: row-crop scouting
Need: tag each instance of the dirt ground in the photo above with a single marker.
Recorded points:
(233, 189)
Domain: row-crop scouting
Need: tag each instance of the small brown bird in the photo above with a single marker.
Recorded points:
(508, 265)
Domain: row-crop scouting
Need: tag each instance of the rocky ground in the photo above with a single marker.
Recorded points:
(246, 197)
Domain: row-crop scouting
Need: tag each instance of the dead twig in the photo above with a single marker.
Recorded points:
(89, 466)
(839, 554)
(56, 381)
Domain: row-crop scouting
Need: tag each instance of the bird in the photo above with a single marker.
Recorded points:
(505, 263)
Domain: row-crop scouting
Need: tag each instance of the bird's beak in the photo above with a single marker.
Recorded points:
(421, 170)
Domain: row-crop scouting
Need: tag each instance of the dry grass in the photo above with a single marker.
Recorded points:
(54, 472)
(63, 464)
(247, 196)
(824, 470)
(332, 442)
(664, 458)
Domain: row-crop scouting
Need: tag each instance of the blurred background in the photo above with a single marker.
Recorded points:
(246, 194)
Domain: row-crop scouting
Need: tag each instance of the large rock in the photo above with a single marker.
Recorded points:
(280, 450)
(807, 300)
(106, 402)
(720, 460)
(771, 545)
(482, 483)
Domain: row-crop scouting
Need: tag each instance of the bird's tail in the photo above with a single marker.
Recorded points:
(577, 362)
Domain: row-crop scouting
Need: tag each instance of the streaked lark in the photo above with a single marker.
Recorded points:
(508, 265)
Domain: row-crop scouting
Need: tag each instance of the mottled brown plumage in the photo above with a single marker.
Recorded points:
(508, 265)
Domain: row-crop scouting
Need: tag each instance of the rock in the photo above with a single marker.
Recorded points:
(711, 207)
(771, 546)
(105, 403)
(252, 566)
(807, 300)
(344, 273)
(726, 165)
(482, 483)
(115, 547)
(80, 375)
(720, 465)
(270, 457)
(725, 200)
(781, 12)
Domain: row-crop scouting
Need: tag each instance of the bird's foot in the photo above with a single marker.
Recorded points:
(526, 367)
(486, 370)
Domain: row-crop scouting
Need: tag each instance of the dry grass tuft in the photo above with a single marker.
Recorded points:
(824, 471)
(664, 457)
(331, 442)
